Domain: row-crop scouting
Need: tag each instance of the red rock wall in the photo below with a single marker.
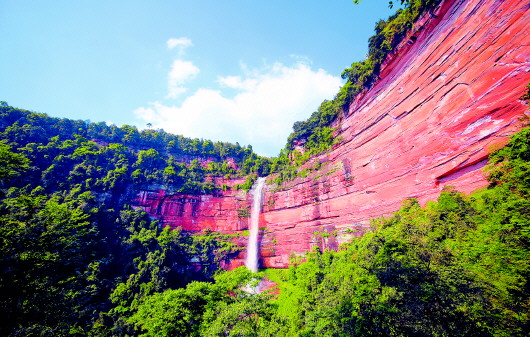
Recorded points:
(449, 93)
(225, 213)
(221, 213)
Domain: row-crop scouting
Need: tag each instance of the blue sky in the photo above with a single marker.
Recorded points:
(234, 70)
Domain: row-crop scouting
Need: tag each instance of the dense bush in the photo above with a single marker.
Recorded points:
(94, 156)
(456, 267)
(74, 256)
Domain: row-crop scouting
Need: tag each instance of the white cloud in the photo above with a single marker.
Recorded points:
(261, 113)
(182, 43)
(181, 71)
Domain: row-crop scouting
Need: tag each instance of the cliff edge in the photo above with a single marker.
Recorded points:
(448, 95)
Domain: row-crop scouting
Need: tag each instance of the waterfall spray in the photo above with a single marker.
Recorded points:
(252, 248)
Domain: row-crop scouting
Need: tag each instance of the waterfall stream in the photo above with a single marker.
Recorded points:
(252, 249)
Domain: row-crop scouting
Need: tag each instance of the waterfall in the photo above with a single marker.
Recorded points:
(252, 248)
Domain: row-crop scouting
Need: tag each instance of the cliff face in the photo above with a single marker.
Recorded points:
(226, 212)
(445, 98)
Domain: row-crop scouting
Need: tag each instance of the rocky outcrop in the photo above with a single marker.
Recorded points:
(225, 212)
(448, 95)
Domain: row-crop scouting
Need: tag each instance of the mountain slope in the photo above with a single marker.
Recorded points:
(449, 93)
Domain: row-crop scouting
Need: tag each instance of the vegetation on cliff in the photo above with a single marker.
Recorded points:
(75, 261)
(102, 158)
(71, 265)
(456, 267)
(316, 134)
(74, 253)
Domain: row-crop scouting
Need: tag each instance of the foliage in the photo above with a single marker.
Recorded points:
(249, 182)
(65, 262)
(75, 257)
(455, 267)
(45, 277)
(75, 149)
(388, 34)
(222, 308)
(11, 164)
(458, 267)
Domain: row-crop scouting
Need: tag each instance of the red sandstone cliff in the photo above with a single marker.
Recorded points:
(447, 95)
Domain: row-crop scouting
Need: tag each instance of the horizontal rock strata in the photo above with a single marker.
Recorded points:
(446, 97)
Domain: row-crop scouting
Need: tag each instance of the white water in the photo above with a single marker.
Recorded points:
(252, 249)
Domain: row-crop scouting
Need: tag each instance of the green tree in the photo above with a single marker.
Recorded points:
(11, 164)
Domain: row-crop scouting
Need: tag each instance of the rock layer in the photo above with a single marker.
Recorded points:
(446, 97)
(449, 94)
(227, 212)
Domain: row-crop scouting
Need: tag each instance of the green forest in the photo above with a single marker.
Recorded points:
(78, 259)
(75, 253)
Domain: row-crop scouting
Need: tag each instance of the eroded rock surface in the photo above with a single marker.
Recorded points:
(448, 95)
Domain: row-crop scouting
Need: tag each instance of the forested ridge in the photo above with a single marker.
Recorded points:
(78, 259)
(74, 251)
(114, 157)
